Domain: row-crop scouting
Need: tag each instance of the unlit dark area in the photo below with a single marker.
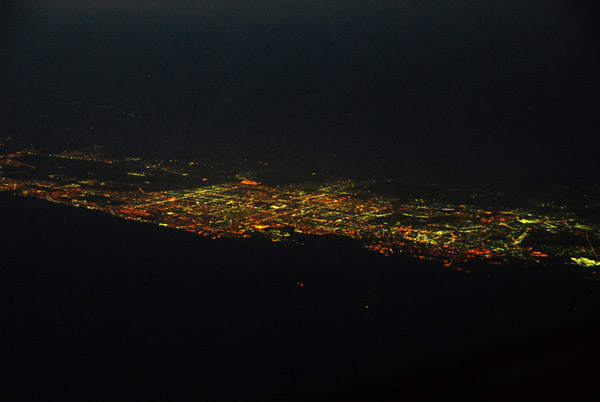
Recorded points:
(473, 92)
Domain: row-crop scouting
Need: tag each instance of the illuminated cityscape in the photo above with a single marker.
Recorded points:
(177, 195)
(299, 200)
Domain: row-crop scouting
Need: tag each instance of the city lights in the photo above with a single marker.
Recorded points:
(426, 228)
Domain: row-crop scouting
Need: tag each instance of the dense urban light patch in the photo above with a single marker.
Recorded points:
(426, 228)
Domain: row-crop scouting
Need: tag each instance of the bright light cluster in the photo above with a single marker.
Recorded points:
(425, 228)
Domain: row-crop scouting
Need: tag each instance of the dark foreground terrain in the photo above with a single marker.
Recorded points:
(94, 305)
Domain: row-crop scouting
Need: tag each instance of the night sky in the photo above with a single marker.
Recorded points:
(472, 91)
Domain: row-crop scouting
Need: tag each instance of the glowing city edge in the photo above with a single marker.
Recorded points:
(181, 195)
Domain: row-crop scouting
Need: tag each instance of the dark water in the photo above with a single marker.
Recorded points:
(95, 305)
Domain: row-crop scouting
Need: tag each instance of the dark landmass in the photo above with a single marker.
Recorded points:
(95, 305)
(507, 96)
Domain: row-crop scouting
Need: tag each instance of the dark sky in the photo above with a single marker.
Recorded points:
(491, 86)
